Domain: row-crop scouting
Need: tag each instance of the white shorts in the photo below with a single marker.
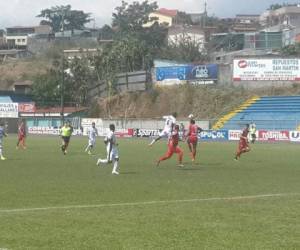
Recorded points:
(165, 133)
(92, 142)
(114, 154)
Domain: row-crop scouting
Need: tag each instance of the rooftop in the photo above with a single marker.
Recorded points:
(167, 12)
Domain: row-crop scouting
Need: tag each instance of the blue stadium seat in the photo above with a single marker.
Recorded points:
(269, 112)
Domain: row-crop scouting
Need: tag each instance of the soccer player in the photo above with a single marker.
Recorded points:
(170, 121)
(252, 130)
(112, 150)
(243, 143)
(92, 133)
(173, 147)
(21, 135)
(2, 134)
(192, 138)
(66, 132)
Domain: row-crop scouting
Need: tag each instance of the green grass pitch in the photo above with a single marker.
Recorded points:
(52, 201)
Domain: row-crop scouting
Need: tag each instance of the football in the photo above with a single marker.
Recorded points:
(191, 116)
(105, 140)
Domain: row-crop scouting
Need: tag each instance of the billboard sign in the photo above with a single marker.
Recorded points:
(196, 73)
(268, 135)
(234, 135)
(9, 110)
(295, 136)
(27, 107)
(214, 135)
(275, 69)
(146, 132)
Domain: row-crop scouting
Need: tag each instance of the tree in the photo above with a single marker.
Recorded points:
(132, 17)
(186, 50)
(183, 18)
(63, 15)
(129, 20)
(106, 33)
(291, 50)
(81, 78)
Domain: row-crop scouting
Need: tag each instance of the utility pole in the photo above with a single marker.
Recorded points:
(204, 15)
(62, 87)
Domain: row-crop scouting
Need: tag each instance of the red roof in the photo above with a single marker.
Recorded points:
(166, 12)
(58, 110)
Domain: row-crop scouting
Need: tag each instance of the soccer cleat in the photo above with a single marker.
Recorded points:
(180, 165)
(98, 162)
(3, 158)
(236, 158)
(157, 163)
(89, 152)
(115, 172)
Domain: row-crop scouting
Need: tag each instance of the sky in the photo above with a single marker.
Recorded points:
(24, 12)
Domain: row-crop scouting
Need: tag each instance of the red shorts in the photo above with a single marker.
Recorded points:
(192, 139)
(172, 150)
(21, 137)
(243, 144)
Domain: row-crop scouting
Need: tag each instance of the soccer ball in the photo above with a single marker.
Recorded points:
(191, 116)
(105, 140)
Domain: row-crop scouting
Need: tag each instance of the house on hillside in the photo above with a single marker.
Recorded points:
(17, 36)
(22, 87)
(285, 20)
(195, 34)
(163, 16)
(246, 23)
(285, 17)
(68, 34)
(2, 39)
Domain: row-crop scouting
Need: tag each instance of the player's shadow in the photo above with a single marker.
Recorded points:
(128, 173)
(189, 169)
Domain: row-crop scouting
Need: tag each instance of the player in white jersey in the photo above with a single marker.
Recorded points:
(2, 134)
(92, 133)
(170, 121)
(112, 150)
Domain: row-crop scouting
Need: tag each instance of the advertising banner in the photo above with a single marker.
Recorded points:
(124, 133)
(266, 69)
(295, 136)
(198, 74)
(234, 135)
(146, 132)
(27, 107)
(214, 135)
(268, 135)
(49, 131)
(9, 110)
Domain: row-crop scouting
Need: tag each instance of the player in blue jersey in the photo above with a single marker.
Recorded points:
(2, 134)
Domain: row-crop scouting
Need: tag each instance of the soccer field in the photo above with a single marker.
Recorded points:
(52, 201)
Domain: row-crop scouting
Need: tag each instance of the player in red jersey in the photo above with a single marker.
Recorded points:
(173, 147)
(243, 143)
(21, 135)
(192, 138)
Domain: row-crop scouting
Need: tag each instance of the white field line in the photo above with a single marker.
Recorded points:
(145, 203)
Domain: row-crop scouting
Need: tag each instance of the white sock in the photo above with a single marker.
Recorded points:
(116, 166)
(103, 161)
(87, 148)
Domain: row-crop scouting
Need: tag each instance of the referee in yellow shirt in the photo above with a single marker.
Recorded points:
(65, 132)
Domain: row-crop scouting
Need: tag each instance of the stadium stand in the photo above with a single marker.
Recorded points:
(269, 112)
(5, 99)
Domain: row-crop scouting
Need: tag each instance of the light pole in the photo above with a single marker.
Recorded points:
(62, 87)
